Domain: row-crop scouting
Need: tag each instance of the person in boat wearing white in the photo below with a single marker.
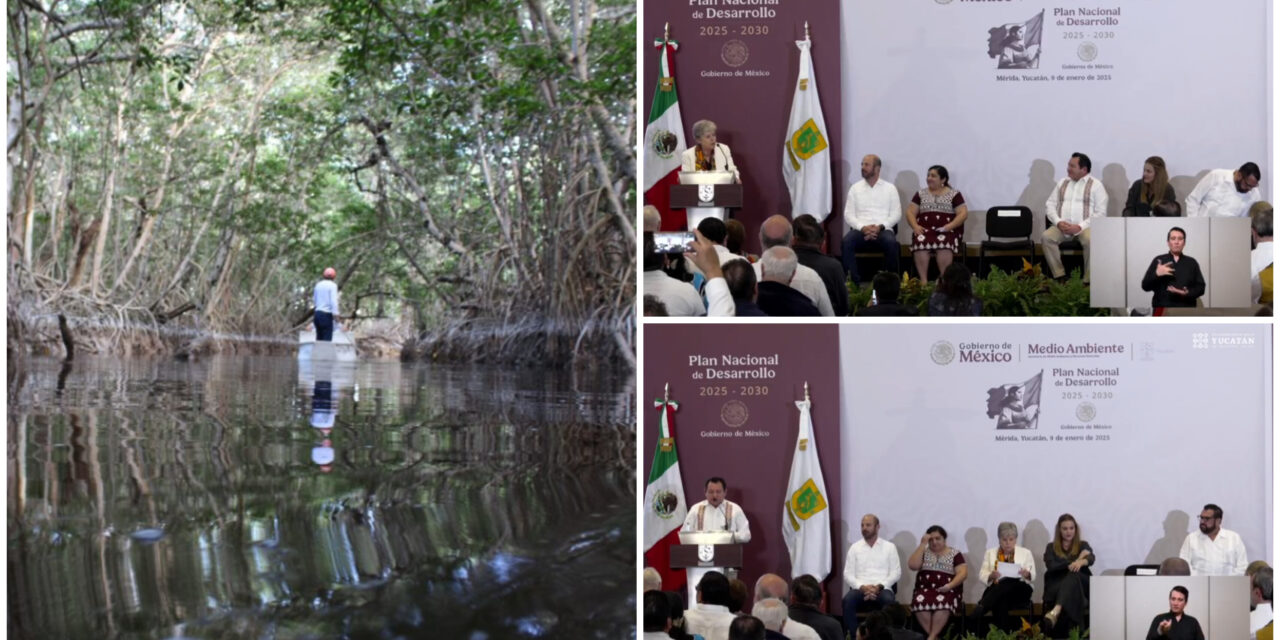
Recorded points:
(326, 303)
(708, 155)
(717, 514)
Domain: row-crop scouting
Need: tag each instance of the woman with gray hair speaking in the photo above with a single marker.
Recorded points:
(708, 155)
(1007, 570)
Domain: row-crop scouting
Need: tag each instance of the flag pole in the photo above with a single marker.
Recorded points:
(666, 393)
(666, 32)
(806, 30)
(806, 387)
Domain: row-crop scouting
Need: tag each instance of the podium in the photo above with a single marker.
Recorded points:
(705, 194)
(701, 552)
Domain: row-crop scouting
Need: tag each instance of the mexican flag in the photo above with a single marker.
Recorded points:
(664, 140)
(664, 505)
(806, 520)
(806, 157)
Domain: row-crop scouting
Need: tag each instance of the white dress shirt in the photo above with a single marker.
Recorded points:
(1021, 557)
(719, 299)
(680, 298)
(872, 564)
(1259, 618)
(1262, 256)
(722, 156)
(326, 296)
(713, 519)
(866, 205)
(1223, 556)
(711, 621)
(1216, 195)
(1072, 209)
(808, 282)
(796, 630)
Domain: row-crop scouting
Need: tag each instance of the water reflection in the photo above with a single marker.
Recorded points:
(253, 497)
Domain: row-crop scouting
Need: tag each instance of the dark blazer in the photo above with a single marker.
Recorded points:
(828, 627)
(1133, 205)
(832, 274)
(888, 309)
(777, 299)
(747, 309)
(1186, 275)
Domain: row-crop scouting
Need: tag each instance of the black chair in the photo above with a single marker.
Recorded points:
(1007, 222)
(1142, 570)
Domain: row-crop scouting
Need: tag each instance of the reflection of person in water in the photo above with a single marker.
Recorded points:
(324, 411)
(1009, 411)
(1014, 53)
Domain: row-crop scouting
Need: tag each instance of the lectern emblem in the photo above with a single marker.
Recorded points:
(706, 193)
(706, 552)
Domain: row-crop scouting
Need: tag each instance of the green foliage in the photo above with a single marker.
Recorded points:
(1024, 293)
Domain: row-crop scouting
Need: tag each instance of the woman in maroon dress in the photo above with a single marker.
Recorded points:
(936, 215)
(940, 576)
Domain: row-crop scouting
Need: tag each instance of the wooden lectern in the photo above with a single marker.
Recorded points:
(707, 194)
(699, 553)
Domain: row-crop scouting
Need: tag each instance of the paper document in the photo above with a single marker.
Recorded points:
(1009, 570)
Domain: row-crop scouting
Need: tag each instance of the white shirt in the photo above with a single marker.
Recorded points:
(1221, 557)
(713, 519)
(655, 635)
(872, 564)
(722, 252)
(326, 296)
(1262, 256)
(1073, 202)
(796, 630)
(1259, 618)
(711, 621)
(680, 298)
(719, 299)
(1021, 557)
(866, 205)
(1216, 195)
(722, 156)
(808, 282)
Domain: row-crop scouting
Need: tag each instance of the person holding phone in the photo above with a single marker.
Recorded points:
(1174, 278)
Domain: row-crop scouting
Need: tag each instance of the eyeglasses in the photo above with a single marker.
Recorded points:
(1202, 518)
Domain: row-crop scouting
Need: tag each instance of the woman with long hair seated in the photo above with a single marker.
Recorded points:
(1066, 573)
(1153, 187)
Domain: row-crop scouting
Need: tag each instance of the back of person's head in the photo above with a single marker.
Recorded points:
(1174, 566)
(677, 604)
(714, 589)
(741, 278)
(654, 308)
(956, 282)
(1260, 218)
(737, 595)
(746, 628)
(875, 626)
(772, 612)
(1250, 170)
(778, 264)
(735, 235)
(1262, 581)
(808, 232)
(771, 585)
(806, 590)
(652, 579)
(1253, 567)
(657, 611)
(887, 287)
(652, 259)
(652, 219)
(897, 613)
(1167, 209)
(712, 229)
(775, 232)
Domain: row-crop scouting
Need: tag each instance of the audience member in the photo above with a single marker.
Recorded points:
(872, 571)
(1174, 567)
(886, 287)
(735, 237)
(705, 257)
(807, 244)
(1260, 261)
(1167, 209)
(772, 587)
(1005, 591)
(773, 614)
(1071, 206)
(1151, 188)
(1260, 598)
(679, 298)
(652, 579)
(745, 628)
(806, 598)
(652, 218)
(1223, 192)
(1213, 551)
(777, 270)
(776, 232)
(737, 595)
(954, 294)
(711, 617)
(741, 278)
(872, 209)
(653, 307)
(657, 616)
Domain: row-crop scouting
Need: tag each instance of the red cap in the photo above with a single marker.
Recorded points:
(330, 273)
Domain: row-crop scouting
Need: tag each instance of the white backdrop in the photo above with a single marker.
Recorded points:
(1178, 417)
(1182, 79)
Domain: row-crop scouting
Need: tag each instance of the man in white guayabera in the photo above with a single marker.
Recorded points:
(717, 514)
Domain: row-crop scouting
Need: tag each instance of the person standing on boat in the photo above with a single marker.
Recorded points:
(326, 302)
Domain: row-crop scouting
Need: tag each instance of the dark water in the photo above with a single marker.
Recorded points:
(251, 497)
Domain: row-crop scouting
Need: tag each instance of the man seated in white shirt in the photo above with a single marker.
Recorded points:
(717, 514)
(1071, 206)
(871, 209)
(1214, 551)
(1223, 192)
(871, 569)
(1261, 598)
(711, 617)
(776, 231)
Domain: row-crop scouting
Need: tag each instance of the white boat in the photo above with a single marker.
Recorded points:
(341, 349)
